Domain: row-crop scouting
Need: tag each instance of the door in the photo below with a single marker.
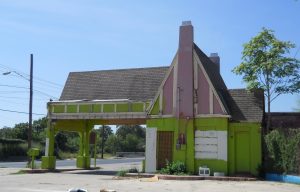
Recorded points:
(164, 148)
(242, 152)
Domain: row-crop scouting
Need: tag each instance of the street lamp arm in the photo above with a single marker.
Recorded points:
(9, 72)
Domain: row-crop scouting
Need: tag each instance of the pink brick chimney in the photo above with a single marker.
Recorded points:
(184, 106)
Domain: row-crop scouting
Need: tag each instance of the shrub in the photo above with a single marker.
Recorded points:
(12, 147)
(174, 168)
(283, 150)
(122, 173)
(133, 170)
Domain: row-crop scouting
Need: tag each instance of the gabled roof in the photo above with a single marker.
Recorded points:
(245, 105)
(241, 104)
(213, 74)
(140, 84)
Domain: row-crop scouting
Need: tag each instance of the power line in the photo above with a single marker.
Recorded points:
(13, 86)
(19, 87)
(22, 98)
(12, 102)
(11, 111)
(49, 82)
(9, 92)
(34, 77)
(45, 94)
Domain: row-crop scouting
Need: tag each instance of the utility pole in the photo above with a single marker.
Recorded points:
(30, 103)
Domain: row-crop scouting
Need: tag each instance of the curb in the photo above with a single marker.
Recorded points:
(193, 177)
(53, 170)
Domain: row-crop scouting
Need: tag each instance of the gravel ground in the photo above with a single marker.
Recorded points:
(94, 180)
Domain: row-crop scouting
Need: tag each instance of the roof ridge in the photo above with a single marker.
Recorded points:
(125, 69)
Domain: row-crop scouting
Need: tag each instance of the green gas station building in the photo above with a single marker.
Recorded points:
(190, 114)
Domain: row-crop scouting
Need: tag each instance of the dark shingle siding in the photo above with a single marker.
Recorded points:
(241, 104)
(139, 84)
(246, 105)
(214, 75)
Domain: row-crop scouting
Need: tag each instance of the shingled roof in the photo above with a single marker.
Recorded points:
(214, 76)
(245, 105)
(241, 104)
(140, 84)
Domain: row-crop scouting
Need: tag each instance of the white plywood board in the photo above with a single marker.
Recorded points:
(197, 133)
(211, 145)
(208, 148)
(150, 164)
(206, 141)
(206, 155)
(222, 145)
(206, 134)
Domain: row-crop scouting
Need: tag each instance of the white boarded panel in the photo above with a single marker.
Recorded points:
(197, 133)
(206, 134)
(222, 145)
(208, 148)
(206, 155)
(211, 145)
(206, 141)
(150, 164)
(209, 133)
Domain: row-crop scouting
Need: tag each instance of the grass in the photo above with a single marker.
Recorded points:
(19, 172)
(105, 156)
(68, 155)
(122, 173)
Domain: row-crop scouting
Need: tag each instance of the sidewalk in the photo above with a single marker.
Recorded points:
(93, 182)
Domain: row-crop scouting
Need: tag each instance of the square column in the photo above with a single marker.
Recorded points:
(49, 160)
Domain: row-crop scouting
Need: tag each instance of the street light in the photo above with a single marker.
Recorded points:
(30, 97)
(10, 72)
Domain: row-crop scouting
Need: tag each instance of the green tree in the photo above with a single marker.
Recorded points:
(21, 131)
(113, 144)
(266, 65)
(107, 131)
(104, 132)
(6, 133)
(39, 129)
(123, 130)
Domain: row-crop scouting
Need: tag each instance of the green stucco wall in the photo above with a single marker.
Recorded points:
(59, 109)
(137, 107)
(108, 108)
(212, 124)
(96, 108)
(85, 108)
(186, 152)
(122, 107)
(251, 132)
(71, 108)
(235, 162)
(155, 108)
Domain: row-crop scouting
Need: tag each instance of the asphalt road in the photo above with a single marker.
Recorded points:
(72, 163)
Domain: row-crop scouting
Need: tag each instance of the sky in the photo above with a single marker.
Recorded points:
(85, 35)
